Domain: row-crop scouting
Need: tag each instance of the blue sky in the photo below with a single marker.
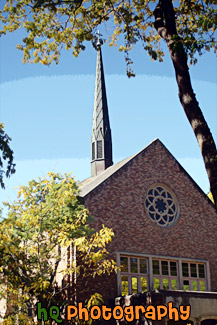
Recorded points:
(47, 111)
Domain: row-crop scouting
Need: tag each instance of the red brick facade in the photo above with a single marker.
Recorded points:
(118, 202)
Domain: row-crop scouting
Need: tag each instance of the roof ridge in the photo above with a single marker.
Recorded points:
(91, 183)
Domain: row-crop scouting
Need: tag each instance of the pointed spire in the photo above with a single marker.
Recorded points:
(101, 141)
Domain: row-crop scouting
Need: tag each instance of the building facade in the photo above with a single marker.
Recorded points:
(165, 226)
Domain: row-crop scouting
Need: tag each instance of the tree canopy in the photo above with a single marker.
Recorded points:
(45, 223)
(6, 155)
(52, 24)
(188, 28)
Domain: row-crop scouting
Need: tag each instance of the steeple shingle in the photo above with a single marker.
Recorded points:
(101, 140)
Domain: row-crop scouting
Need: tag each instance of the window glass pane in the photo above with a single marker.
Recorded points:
(156, 284)
(124, 264)
(164, 267)
(185, 269)
(194, 285)
(186, 284)
(166, 284)
(156, 268)
(134, 284)
(193, 270)
(143, 266)
(202, 286)
(201, 270)
(174, 284)
(144, 286)
(133, 265)
(173, 268)
(124, 285)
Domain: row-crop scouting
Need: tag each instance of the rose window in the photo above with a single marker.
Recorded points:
(161, 205)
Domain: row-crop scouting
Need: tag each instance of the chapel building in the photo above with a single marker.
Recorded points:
(165, 226)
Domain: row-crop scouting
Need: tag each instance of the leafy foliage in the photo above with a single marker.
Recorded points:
(210, 197)
(50, 25)
(45, 221)
(6, 154)
(188, 28)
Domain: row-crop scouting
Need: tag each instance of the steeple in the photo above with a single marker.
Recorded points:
(101, 140)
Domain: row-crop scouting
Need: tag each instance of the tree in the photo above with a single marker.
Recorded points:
(187, 27)
(6, 154)
(43, 226)
(210, 196)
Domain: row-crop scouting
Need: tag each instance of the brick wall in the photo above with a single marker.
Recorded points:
(119, 203)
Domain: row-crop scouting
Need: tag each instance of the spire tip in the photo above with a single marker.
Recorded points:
(99, 41)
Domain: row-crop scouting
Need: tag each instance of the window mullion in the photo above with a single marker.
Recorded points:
(150, 273)
(180, 277)
(179, 274)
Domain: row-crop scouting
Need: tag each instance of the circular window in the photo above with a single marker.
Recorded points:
(161, 205)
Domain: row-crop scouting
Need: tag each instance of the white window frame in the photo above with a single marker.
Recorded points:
(162, 276)
(137, 275)
(197, 278)
(150, 276)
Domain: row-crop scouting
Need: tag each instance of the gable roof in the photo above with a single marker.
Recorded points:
(90, 184)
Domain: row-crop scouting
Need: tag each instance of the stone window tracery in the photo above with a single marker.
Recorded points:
(161, 205)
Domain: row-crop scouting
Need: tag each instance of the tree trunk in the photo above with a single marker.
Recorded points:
(165, 25)
(75, 279)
